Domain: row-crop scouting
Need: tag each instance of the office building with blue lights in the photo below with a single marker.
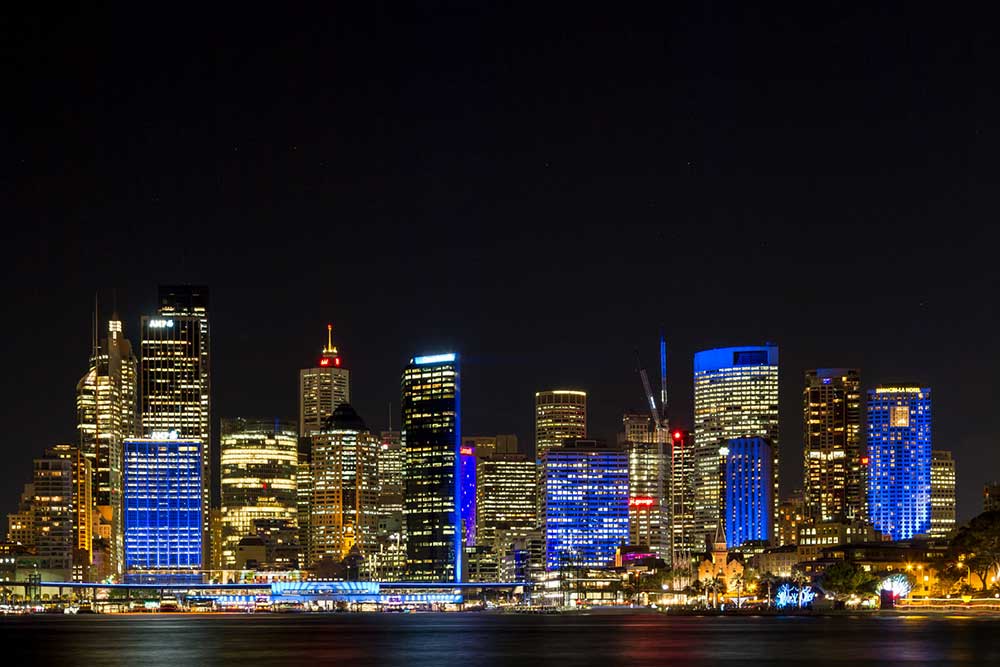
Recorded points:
(748, 493)
(899, 460)
(735, 396)
(585, 503)
(431, 435)
(468, 463)
(163, 505)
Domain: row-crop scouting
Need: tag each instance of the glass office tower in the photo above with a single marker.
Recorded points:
(749, 505)
(258, 461)
(323, 387)
(899, 454)
(585, 499)
(560, 414)
(735, 396)
(432, 489)
(163, 505)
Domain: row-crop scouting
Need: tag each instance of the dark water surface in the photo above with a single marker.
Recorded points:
(472, 639)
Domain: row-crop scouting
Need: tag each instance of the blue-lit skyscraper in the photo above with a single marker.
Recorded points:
(431, 477)
(468, 460)
(735, 396)
(899, 460)
(163, 505)
(748, 495)
(585, 496)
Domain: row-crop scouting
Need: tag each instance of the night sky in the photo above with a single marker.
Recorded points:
(539, 189)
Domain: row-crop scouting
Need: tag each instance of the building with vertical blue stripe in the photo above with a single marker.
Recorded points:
(748, 500)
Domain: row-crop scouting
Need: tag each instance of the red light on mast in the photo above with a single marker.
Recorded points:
(677, 435)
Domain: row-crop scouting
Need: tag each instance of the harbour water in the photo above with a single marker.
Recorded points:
(475, 639)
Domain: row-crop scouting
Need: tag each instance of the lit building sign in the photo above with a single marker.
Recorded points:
(640, 501)
(434, 359)
(161, 324)
(467, 451)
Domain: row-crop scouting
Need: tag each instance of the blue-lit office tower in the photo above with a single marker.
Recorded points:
(735, 396)
(467, 464)
(162, 506)
(431, 477)
(899, 455)
(585, 495)
(748, 494)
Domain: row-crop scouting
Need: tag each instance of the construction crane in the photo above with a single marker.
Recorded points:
(660, 424)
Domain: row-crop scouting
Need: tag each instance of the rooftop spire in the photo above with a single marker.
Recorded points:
(329, 349)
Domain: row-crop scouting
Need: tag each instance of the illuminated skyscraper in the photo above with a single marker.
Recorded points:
(323, 387)
(345, 496)
(391, 527)
(258, 460)
(163, 506)
(899, 452)
(685, 536)
(648, 491)
(834, 482)
(585, 499)
(942, 493)
(560, 414)
(106, 415)
(55, 517)
(735, 396)
(748, 505)
(506, 491)
(175, 378)
(432, 492)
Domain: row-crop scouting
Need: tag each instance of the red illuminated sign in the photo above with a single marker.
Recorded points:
(336, 361)
(324, 362)
(640, 501)
(864, 460)
(466, 451)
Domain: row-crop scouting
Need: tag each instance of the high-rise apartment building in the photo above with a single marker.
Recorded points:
(942, 494)
(649, 484)
(55, 517)
(835, 487)
(899, 453)
(791, 518)
(303, 502)
(735, 396)
(560, 414)
(344, 511)
(748, 506)
(258, 465)
(163, 507)
(432, 492)
(585, 497)
(175, 379)
(323, 387)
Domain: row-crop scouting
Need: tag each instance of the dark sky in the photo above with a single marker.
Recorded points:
(540, 189)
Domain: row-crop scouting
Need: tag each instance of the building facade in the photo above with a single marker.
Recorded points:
(322, 388)
(175, 389)
(391, 527)
(991, 497)
(345, 489)
(686, 538)
(649, 483)
(899, 453)
(942, 494)
(834, 482)
(749, 503)
(163, 506)
(560, 414)
(585, 502)
(432, 437)
(735, 396)
(258, 465)
(106, 414)
(506, 493)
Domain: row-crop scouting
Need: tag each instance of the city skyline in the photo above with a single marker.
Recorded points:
(543, 205)
(609, 432)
